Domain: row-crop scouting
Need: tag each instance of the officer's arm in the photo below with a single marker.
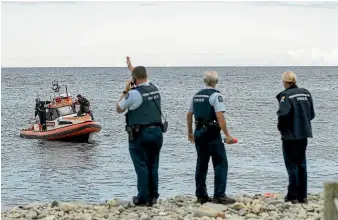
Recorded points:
(222, 123)
(284, 107)
(121, 104)
(190, 113)
(130, 67)
(36, 111)
(133, 99)
(312, 108)
(283, 112)
(217, 102)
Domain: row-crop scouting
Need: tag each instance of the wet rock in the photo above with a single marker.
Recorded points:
(270, 208)
(250, 215)
(257, 208)
(206, 211)
(50, 217)
(132, 216)
(180, 208)
(238, 206)
(31, 214)
(16, 215)
(219, 207)
(67, 207)
(144, 217)
(42, 215)
(275, 202)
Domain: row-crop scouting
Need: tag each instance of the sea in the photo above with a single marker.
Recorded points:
(37, 170)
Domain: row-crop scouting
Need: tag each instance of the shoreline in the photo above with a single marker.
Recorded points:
(268, 207)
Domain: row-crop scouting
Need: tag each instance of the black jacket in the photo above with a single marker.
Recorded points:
(84, 103)
(40, 107)
(295, 113)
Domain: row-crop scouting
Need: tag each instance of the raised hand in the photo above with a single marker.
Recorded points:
(130, 67)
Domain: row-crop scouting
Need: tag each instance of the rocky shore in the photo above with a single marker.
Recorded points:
(180, 207)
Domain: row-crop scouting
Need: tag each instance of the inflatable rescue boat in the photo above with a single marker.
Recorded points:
(62, 123)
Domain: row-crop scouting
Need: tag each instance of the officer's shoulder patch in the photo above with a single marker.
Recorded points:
(127, 96)
(282, 99)
(220, 98)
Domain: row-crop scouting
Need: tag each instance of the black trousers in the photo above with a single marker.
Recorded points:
(295, 162)
(207, 147)
(42, 116)
(83, 110)
(145, 153)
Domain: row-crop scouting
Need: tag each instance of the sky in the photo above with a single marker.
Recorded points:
(70, 34)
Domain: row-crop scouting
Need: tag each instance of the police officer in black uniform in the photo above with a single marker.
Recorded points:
(145, 128)
(40, 109)
(294, 123)
(84, 106)
(207, 107)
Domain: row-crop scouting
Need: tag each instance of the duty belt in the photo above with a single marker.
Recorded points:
(146, 126)
(134, 130)
(206, 124)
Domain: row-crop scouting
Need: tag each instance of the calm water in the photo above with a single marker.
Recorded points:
(35, 170)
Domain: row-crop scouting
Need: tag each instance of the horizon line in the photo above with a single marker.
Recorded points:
(26, 67)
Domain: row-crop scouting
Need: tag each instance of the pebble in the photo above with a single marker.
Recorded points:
(178, 208)
(270, 208)
(31, 214)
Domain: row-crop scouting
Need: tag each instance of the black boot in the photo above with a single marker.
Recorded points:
(138, 203)
(293, 201)
(203, 200)
(152, 201)
(224, 200)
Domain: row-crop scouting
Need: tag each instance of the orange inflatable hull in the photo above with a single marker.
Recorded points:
(76, 132)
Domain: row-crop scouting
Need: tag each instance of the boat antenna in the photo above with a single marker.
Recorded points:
(66, 91)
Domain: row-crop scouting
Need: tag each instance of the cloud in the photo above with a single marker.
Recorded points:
(315, 56)
(174, 33)
(148, 4)
(288, 4)
(27, 3)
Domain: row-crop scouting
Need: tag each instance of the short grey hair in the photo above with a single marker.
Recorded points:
(211, 78)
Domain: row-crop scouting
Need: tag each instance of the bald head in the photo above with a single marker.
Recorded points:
(289, 78)
(211, 78)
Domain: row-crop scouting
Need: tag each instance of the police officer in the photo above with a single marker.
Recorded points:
(84, 106)
(207, 107)
(144, 127)
(294, 123)
(40, 109)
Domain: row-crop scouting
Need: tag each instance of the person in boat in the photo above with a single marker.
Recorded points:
(295, 114)
(84, 106)
(144, 127)
(207, 106)
(40, 109)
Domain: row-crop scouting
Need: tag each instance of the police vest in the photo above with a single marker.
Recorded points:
(149, 112)
(203, 111)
